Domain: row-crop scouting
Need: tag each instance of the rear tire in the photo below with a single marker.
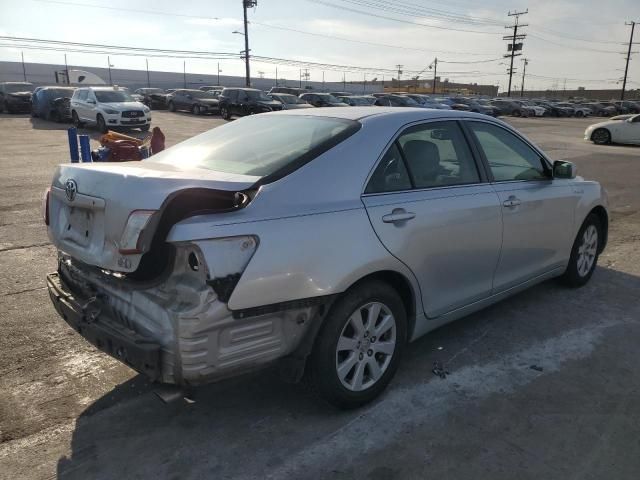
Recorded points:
(196, 110)
(358, 348)
(224, 113)
(171, 107)
(579, 114)
(584, 253)
(601, 136)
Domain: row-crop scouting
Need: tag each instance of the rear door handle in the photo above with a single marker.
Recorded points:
(511, 202)
(398, 215)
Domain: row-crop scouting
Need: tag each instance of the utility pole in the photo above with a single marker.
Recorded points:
(24, 70)
(364, 83)
(109, 66)
(399, 73)
(513, 46)
(184, 73)
(66, 68)
(524, 70)
(300, 79)
(276, 76)
(221, 70)
(626, 68)
(247, 4)
(323, 80)
(435, 73)
(344, 81)
(148, 79)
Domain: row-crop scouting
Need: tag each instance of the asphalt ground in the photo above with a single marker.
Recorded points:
(68, 410)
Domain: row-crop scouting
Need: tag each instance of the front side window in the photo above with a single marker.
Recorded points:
(82, 95)
(509, 158)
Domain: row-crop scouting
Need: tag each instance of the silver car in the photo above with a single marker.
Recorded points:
(323, 239)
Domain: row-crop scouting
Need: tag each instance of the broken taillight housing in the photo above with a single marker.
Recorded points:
(136, 223)
(45, 206)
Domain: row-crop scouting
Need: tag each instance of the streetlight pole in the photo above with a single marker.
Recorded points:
(219, 73)
(24, 70)
(184, 73)
(66, 68)
(524, 71)
(148, 79)
(109, 66)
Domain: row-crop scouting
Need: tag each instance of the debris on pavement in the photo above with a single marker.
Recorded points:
(439, 370)
(537, 368)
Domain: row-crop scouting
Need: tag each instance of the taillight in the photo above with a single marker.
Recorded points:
(136, 223)
(45, 206)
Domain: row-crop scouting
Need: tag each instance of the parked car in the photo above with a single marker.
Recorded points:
(342, 94)
(453, 105)
(289, 102)
(552, 110)
(52, 103)
(625, 106)
(577, 109)
(290, 90)
(617, 110)
(170, 90)
(246, 101)
(15, 97)
(154, 98)
(194, 101)
(322, 100)
(322, 239)
(530, 109)
(508, 107)
(625, 131)
(108, 108)
(476, 107)
(428, 102)
(357, 100)
(601, 110)
(393, 100)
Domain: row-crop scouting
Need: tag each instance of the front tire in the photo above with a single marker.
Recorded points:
(579, 114)
(76, 119)
(101, 124)
(358, 348)
(172, 107)
(601, 136)
(224, 113)
(584, 253)
(196, 110)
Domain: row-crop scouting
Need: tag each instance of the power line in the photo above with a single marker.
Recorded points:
(371, 14)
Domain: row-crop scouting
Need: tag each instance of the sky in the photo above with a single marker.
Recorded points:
(569, 42)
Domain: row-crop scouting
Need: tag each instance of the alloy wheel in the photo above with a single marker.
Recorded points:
(365, 347)
(587, 250)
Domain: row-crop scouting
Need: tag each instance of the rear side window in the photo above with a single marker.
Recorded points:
(260, 145)
(434, 154)
(509, 158)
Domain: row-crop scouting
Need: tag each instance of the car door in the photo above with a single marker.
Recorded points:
(91, 107)
(79, 104)
(537, 210)
(627, 131)
(433, 209)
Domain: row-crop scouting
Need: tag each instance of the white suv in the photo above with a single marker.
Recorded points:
(108, 107)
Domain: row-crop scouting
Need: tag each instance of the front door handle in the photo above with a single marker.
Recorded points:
(398, 215)
(511, 202)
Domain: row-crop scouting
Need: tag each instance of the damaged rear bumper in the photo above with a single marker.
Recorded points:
(89, 320)
(179, 331)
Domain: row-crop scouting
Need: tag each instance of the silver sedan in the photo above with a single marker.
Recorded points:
(323, 240)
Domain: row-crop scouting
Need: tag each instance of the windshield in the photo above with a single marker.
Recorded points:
(288, 99)
(18, 87)
(258, 95)
(275, 142)
(327, 97)
(406, 101)
(200, 94)
(59, 92)
(151, 90)
(113, 96)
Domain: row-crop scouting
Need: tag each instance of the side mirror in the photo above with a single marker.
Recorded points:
(562, 169)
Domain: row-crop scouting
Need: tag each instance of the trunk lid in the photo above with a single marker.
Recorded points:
(89, 204)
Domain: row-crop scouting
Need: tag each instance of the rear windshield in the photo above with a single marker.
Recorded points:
(260, 145)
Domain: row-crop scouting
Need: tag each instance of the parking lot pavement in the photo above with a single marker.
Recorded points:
(66, 409)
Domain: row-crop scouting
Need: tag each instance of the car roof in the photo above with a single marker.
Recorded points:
(407, 114)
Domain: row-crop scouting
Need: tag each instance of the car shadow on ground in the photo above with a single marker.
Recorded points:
(251, 425)
(42, 124)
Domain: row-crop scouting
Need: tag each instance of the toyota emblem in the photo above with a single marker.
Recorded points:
(70, 189)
